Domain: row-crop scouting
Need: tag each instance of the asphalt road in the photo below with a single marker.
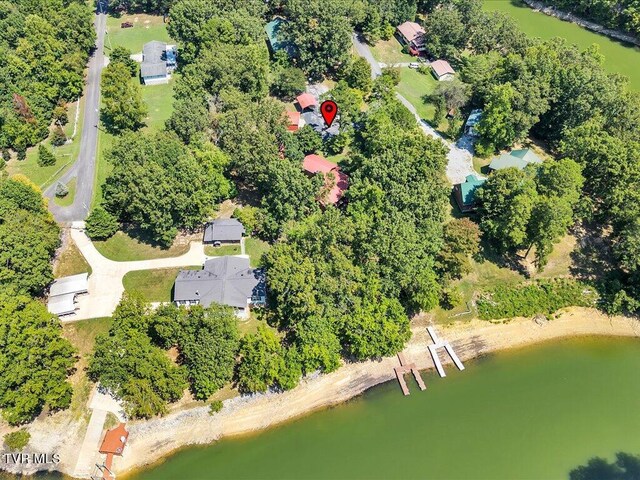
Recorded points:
(84, 168)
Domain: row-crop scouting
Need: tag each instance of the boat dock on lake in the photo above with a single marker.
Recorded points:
(433, 350)
(406, 368)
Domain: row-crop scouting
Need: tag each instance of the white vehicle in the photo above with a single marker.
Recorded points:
(414, 65)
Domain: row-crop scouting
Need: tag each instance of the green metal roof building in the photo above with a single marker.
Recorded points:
(274, 36)
(516, 159)
(465, 193)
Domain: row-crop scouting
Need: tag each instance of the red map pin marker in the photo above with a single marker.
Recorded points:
(329, 110)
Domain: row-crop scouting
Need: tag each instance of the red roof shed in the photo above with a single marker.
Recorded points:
(115, 440)
(306, 100)
(294, 121)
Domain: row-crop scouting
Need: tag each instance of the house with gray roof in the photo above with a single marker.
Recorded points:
(158, 61)
(515, 159)
(223, 230)
(228, 280)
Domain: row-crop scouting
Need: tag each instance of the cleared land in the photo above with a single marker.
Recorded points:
(145, 28)
(122, 248)
(70, 261)
(415, 86)
(390, 52)
(255, 248)
(222, 250)
(154, 285)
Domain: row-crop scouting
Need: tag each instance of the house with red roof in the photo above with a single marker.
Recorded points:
(442, 70)
(306, 100)
(336, 182)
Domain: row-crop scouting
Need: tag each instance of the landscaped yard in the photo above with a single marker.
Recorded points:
(122, 248)
(390, 52)
(222, 250)
(68, 198)
(255, 248)
(65, 154)
(154, 285)
(70, 261)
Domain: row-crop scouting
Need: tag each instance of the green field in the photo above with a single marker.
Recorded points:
(123, 248)
(414, 86)
(145, 29)
(65, 155)
(222, 250)
(390, 52)
(255, 248)
(154, 285)
(619, 57)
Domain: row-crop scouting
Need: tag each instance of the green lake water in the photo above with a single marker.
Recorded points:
(619, 57)
(534, 413)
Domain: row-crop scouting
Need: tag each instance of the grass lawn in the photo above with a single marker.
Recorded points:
(221, 250)
(65, 155)
(122, 248)
(70, 262)
(390, 52)
(255, 248)
(414, 86)
(68, 198)
(145, 29)
(154, 285)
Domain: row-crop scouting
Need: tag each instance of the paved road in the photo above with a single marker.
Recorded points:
(460, 156)
(85, 166)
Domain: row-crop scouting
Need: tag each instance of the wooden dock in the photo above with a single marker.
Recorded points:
(433, 350)
(406, 368)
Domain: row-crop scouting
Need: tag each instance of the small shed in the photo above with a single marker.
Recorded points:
(472, 121)
(306, 101)
(223, 230)
(442, 70)
(295, 120)
(465, 193)
(115, 440)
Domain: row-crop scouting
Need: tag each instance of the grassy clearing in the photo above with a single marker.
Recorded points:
(65, 155)
(145, 29)
(222, 250)
(390, 52)
(122, 248)
(70, 261)
(68, 198)
(255, 248)
(414, 87)
(154, 285)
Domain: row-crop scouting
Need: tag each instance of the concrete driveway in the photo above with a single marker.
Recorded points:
(105, 281)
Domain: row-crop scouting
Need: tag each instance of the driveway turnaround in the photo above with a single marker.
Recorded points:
(105, 281)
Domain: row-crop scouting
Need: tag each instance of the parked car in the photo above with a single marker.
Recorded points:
(414, 65)
(126, 25)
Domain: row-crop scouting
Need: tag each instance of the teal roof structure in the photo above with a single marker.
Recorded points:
(515, 158)
(469, 187)
(274, 34)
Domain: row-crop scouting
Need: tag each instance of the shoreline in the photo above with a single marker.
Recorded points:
(152, 441)
(588, 24)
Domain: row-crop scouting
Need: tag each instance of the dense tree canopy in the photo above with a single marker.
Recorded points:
(34, 360)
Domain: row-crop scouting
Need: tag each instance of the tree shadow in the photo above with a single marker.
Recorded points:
(625, 467)
(143, 236)
(510, 259)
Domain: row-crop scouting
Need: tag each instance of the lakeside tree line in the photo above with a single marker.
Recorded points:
(617, 14)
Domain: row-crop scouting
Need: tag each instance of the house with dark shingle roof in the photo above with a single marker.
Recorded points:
(158, 60)
(228, 280)
(465, 193)
(223, 230)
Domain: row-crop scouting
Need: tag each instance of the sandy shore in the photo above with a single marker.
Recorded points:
(152, 440)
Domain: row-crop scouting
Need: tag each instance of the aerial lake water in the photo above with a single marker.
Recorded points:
(620, 57)
(531, 413)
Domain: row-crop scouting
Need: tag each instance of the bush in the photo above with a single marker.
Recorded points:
(247, 215)
(60, 115)
(46, 158)
(100, 224)
(542, 297)
(59, 138)
(215, 406)
(22, 153)
(424, 69)
(61, 190)
(17, 440)
(6, 155)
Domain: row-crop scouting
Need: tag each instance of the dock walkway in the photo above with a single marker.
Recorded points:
(433, 350)
(406, 367)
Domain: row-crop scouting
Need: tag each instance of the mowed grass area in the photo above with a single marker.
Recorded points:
(414, 86)
(255, 248)
(619, 57)
(390, 52)
(155, 285)
(222, 250)
(70, 261)
(145, 29)
(123, 248)
(487, 274)
(65, 154)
